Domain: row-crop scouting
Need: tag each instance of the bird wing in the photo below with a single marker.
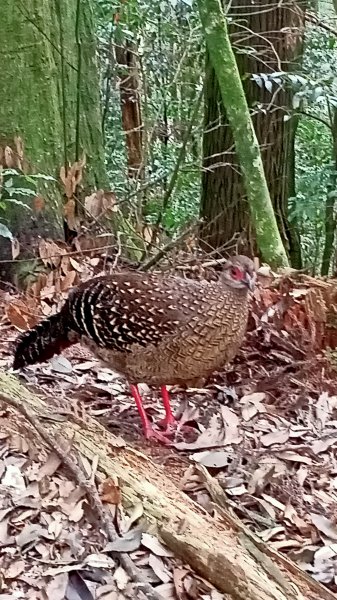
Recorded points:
(122, 310)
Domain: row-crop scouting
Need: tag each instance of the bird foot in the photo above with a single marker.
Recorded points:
(156, 435)
(169, 423)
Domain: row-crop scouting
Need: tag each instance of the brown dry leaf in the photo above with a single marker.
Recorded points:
(136, 513)
(323, 409)
(99, 561)
(212, 437)
(238, 490)
(167, 591)
(147, 234)
(19, 150)
(15, 569)
(121, 577)
(15, 248)
(109, 592)
(231, 424)
(39, 203)
(129, 542)
(30, 535)
(278, 436)
(57, 587)
(50, 253)
(178, 580)
(50, 467)
(217, 458)
(268, 508)
(9, 158)
(302, 474)
(294, 457)
(252, 405)
(20, 444)
(291, 514)
(94, 204)
(274, 502)
(20, 315)
(153, 544)
(72, 177)
(69, 211)
(284, 544)
(324, 525)
(321, 445)
(68, 281)
(5, 538)
(159, 568)
(13, 478)
(260, 478)
(61, 364)
(77, 513)
(75, 264)
(110, 492)
(268, 534)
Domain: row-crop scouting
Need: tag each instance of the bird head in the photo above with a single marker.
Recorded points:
(239, 272)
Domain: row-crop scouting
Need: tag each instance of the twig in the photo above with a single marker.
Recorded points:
(315, 20)
(179, 162)
(147, 592)
(167, 248)
(119, 252)
(208, 263)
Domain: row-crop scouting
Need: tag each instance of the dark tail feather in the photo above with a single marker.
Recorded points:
(39, 344)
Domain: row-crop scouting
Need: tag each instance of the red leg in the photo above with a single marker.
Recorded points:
(169, 416)
(149, 432)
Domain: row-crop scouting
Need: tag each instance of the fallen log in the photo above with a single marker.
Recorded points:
(222, 549)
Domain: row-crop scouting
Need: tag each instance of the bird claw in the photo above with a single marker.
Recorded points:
(171, 426)
(159, 437)
(168, 424)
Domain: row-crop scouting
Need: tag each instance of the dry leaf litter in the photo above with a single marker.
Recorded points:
(265, 429)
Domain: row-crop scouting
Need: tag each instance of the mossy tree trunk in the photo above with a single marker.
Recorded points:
(245, 140)
(50, 110)
(264, 41)
(330, 203)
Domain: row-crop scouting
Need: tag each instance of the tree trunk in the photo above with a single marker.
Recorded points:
(330, 203)
(51, 116)
(221, 549)
(131, 107)
(330, 217)
(246, 144)
(275, 47)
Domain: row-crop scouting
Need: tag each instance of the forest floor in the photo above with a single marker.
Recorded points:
(265, 428)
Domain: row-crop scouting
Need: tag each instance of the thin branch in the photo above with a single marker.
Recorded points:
(179, 162)
(315, 20)
(172, 244)
(26, 16)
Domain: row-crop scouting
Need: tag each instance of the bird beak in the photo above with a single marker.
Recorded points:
(250, 281)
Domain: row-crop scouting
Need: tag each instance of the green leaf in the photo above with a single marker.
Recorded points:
(4, 232)
(269, 86)
(40, 176)
(16, 201)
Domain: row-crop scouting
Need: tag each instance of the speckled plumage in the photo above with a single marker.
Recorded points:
(179, 333)
(153, 329)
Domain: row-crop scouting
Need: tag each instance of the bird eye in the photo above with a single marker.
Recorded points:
(236, 273)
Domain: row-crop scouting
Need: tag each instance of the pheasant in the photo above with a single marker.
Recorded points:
(155, 329)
